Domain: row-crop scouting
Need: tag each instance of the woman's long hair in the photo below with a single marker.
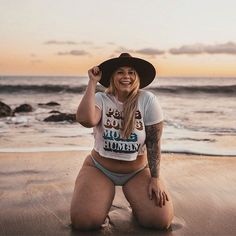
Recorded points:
(129, 106)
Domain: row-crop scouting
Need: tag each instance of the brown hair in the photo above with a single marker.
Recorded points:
(130, 105)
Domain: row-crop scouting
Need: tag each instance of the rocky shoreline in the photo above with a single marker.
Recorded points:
(6, 111)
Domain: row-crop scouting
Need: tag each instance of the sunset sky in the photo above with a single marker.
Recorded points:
(67, 37)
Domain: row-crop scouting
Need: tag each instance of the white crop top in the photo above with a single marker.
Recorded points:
(108, 141)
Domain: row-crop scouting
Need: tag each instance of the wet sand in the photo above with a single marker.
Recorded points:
(36, 190)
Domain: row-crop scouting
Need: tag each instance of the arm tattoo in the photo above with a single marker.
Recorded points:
(153, 143)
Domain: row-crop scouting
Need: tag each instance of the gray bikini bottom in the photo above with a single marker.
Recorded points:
(117, 178)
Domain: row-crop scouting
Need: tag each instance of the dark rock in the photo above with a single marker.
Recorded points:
(5, 110)
(54, 111)
(61, 117)
(49, 104)
(23, 108)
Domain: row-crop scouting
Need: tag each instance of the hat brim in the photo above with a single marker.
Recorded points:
(145, 69)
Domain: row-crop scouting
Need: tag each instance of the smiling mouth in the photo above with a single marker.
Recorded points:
(125, 82)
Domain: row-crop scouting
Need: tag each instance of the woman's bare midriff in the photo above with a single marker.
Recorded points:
(118, 165)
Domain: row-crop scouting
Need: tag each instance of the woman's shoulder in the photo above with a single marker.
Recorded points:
(145, 95)
(101, 94)
(147, 98)
(104, 96)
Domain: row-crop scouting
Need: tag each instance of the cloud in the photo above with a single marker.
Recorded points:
(123, 49)
(144, 51)
(67, 42)
(73, 53)
(150, 51)
(86, 42)
(226, 48)
(188, 49)
(110, 43)
(55, 42)
(194, 49)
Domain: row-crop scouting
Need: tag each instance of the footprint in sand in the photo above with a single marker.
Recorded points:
(177, 223)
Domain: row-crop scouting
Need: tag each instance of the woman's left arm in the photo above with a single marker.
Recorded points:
(153, 143)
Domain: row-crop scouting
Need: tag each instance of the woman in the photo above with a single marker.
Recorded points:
(128, 126)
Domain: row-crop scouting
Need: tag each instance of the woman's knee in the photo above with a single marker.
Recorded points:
(162, 224)
(156, 219)
(86, 222)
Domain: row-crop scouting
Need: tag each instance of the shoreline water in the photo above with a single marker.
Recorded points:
(198, 120)
(71, 149)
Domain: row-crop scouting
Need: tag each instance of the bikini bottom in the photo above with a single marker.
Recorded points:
(117, 178)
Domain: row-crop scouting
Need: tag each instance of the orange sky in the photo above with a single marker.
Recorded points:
(169, 66)
(38, 37)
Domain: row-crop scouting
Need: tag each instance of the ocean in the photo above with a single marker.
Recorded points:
(199, 114)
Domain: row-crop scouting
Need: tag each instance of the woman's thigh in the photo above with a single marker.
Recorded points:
(92, 197)
(145, 210)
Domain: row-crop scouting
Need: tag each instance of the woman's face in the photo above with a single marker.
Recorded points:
(124, 78)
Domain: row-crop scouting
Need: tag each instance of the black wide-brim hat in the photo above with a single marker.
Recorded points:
(145, 69)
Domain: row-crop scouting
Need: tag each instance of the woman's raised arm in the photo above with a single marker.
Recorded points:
(88, 114)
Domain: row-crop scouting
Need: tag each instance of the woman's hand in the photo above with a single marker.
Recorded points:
(95, 74)
(156, 191)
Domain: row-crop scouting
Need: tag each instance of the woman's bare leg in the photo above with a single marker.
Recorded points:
(144, 209)
(92, 198)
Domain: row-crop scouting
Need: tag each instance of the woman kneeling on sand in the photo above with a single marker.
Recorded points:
(128, 125)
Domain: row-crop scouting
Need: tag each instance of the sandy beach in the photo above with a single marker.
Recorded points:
(36, 190)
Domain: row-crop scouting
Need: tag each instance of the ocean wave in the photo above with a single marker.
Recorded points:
(177, 150)
(47, 88)
(225, 153)
(229, 90)
(208, 129)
